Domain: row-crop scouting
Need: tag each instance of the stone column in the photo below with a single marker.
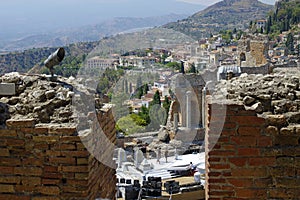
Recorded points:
(121, 157)
(175, 121)
(203, 106)
(188, 110)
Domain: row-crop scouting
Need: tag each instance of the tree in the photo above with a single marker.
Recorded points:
(156, 99)
(290, 43)
(182, 67)
(166, 104)
(128, 126)
(192, 69)
(144, 114)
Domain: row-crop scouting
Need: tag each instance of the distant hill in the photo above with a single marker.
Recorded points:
(25, 60)
(87, 33)
(227, 14)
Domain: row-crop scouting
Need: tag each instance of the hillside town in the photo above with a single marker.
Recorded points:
(215, 117)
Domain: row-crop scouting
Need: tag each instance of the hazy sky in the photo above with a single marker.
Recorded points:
(210, 2)
(18, 17)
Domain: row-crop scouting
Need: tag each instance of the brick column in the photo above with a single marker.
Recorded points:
(253, 158)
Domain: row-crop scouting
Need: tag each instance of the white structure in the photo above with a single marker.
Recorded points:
(101, 63)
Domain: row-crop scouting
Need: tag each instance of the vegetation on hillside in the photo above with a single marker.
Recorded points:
(224, 15)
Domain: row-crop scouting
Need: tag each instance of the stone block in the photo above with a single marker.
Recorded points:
(7, 89)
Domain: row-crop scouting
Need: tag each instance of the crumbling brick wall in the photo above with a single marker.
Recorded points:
(51, 162)
(49, 150)
(251, 155)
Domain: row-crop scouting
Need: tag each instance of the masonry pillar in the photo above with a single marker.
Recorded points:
(176, 121)
(188, 109)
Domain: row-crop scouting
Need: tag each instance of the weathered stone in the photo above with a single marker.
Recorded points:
(248, 100)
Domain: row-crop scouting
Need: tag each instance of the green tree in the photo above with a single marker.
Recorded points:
(192, 68)
(290, 43)
(156, 99)
(144, 114)
(167, 104)
(174, 65)
(128, 126)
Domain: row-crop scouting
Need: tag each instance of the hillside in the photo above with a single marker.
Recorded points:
(86, 33)
(25, 60)
(227, 14)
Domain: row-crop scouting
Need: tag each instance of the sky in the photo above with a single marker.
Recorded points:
(210, 2)
(18, 17)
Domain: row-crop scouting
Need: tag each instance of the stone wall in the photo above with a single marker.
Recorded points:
(253, 51)
(50, 162)
(49, 150)
(253, 144)
(253, 158)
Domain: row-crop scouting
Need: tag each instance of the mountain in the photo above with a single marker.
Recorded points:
(87, 33)
(226, 14)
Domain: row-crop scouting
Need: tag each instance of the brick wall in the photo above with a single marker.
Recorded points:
(253, 158)
(49, 162)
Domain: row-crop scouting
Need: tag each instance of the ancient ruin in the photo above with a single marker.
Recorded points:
(253, 137)
(44, 154)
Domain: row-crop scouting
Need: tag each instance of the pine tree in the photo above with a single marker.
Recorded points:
(156, 98)
(290, 43)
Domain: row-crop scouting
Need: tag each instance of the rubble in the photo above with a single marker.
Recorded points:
(273, 94)
(38, 98)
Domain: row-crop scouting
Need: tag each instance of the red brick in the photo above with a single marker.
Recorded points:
(49, 190)
(46, 138)
(20, 123)
(248, 120)
(245, 193)
(4, 152)
(249, 172)
(25, 188)
(31, 180)
(221, 193)
(212, 159)
(216, 180)
(229, 147)
(52, 175)
(46, 198)
(6, 188)
(214, 174)
(248, 152)
(32, 161)
(8, 133)
(62, 160)
(263, 182)
(264, 141)
(14, 197)
(50, 181)
(62, 130)
(74, 168)
(238, 161)
(244, 140)
(74, 182)
(10, 179)
(213, 187)
(15, 142)
(9, 161)
(6, 170)
(229, 125)
(229, 132)
(263, 161)
(34, 171)
(70, 139)
(249, 131)
(219, 166)
(240, 182)
(221, 153)
(50, 168)
(75, 153)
